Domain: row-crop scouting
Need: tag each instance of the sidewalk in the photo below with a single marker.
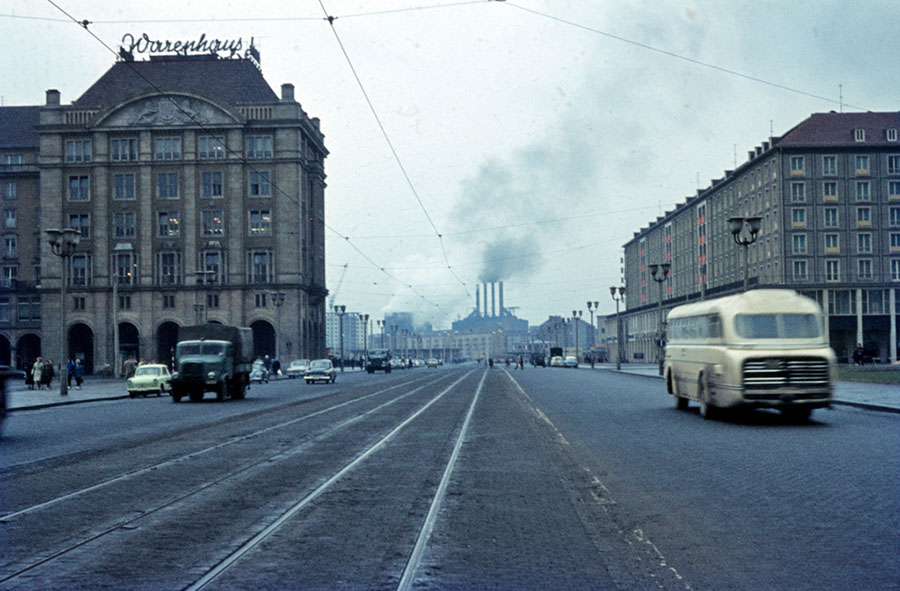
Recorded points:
(883, 397)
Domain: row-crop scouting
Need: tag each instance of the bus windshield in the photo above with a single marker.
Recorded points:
(776, 326)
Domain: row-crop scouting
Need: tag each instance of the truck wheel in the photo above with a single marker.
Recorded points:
(176, 396)
(222, 391)
(239, 392)
(195, 396)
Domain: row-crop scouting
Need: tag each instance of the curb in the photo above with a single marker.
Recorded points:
(12, 409)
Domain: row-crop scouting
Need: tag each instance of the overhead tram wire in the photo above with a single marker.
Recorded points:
(84, 24)
(390, 144)
(682, 57)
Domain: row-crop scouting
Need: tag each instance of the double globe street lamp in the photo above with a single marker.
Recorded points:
(737, 225)
(618, 294)
(659, 273)
(63, 243)
(340, 311)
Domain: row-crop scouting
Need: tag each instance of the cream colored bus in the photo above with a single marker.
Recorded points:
(762, 348)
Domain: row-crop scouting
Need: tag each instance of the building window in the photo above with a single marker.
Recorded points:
(212, 184)
(167, 224)
(213, 222)
(29, 309)
(799, 243)
(125, 302)
(260, 300)
(862, 191)
(168, 268)
(798, 217)
(10, 249)
(798, 192)
(123, 186)
(859, 135)
(80, 270)
(124, 150)
(78, 151)
(862, 164)
(10, 275)
(260, 222)
(259, 146)
(13, 159)
(830, 191)
(10, 190)
(832, 243)
(892, 135)
(895, 269)
(895, 241)
(82, 223)
(78, 302)
(168, 301)
(863, 216)
(78, 188)
(212, 265)
(894, 217)
(796, 164)
(894, 190)
(9, 218)
(864, 268)
(829, 165)
(260, 266)
(125, 268)
(4, 310)
(831, 217)
(212, 301)
(168, 148)
(123, 224)
(210, 148)
(863, 243)
(259, 184)
(832, 271)
(167, 185)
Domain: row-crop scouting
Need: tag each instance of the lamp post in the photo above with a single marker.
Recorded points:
(618, 294)
(576, 314)
(340, 311)
(120, 248)
(63, 243)
(381, 324)
(659, 273)
(591, 311)
(278, 300)
(745, 239)
(365, 321)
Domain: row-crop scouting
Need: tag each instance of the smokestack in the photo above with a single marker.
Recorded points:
(501, 298)
(477, 301)
(493, 299)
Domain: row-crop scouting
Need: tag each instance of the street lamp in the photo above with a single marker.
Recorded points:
(120, 248)
(365, 320)
(278, 300)
(745, 239)
(340, 311)
(381, 324)
(659, 273)
(576, 314)
(618, 294)
(591, 310)
(63, 243)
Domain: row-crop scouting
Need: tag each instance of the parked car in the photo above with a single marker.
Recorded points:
(571, 362)
(557, 361)
(432, 362)
(298, 368)
(321, 370)
(259, 373)
(151, 378)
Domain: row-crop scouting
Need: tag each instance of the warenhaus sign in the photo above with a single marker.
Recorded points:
(232, 48)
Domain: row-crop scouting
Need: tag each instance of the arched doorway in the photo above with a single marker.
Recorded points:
(5, 351)
(263, 338)
(27, 350)
(81, 345)
(129, 341)
(166, 339)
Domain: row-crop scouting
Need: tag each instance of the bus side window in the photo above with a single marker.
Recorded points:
(715, 326)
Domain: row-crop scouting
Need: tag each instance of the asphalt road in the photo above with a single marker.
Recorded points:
(456, 478)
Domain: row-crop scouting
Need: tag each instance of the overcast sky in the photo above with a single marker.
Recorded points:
(538, 136)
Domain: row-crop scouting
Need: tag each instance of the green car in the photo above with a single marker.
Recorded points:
(150, 378)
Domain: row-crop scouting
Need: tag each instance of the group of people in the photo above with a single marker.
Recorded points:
(42, 372)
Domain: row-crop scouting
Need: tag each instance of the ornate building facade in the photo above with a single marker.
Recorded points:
(198, 193)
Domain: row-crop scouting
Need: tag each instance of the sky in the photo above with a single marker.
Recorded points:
(523, 141)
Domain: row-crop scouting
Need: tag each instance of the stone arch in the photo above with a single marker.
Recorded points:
(5, 351)
(263, 338)
(28, 348)
(129, 341)
(166, 339)
(81, 345)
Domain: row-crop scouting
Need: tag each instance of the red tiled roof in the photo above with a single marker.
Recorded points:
(838, 130)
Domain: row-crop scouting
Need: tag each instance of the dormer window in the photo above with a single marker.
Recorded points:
(892, 135)
(859, 135)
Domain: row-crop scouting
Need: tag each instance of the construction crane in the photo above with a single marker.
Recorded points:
(338, 288)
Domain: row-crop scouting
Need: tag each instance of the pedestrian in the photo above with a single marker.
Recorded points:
(491, 362)
(78, 373)
(37, 371)
(592, 362)
(70, 371)
(276, 367)
(129, 366)
(48, 373)
(520, 363)
(858, 354)
(29, 380)
(268, 363)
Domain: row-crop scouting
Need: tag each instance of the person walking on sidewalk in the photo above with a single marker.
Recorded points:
(48, 373)
(37, 371)
(70, 371)
(78, 373)
(129, 367)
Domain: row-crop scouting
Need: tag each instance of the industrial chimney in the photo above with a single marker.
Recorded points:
(501, 299)
(493, 300)
(477, 301)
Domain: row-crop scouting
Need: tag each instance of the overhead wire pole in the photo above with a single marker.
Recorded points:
(84, 24)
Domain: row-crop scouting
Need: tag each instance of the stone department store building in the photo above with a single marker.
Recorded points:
(828, 193)
(199, 196)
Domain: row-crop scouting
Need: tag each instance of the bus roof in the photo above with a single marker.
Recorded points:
(757, 300)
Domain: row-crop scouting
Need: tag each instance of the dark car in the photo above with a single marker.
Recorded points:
(6, 374)
(538, 360)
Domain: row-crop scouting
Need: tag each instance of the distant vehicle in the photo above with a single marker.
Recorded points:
(571, 362)
(259, 373)
(538, 360)
(379, 360)
(151, 378)
(6, 374)
(762, 348)
(321, 370)
(557, 361)
(396, 364)
(298, 368)
(556, 352)
(212, 358)
(432, 362)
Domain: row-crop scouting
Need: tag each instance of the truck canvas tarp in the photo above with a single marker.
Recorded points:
(242, 337)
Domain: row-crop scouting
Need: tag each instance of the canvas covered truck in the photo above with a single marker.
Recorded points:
(379, 360)
(212, 358)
